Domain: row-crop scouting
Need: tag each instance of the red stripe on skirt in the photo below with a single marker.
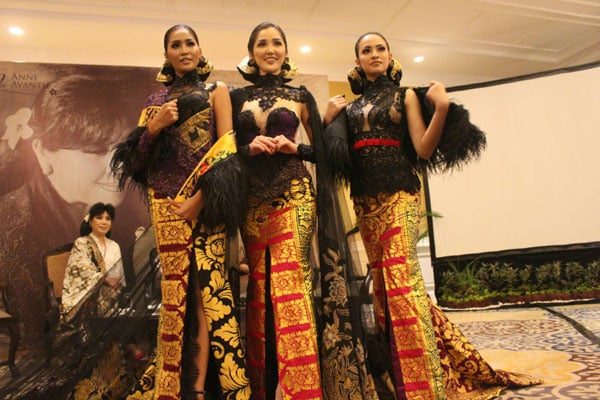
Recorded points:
(294, 328)
(412, 386)
(289, 297)
(309, 394)
(405, 321)
(414, 353)
(390, 262)
(277, 213)
(287, 266)
(300, 361)
(400, 291)
(394, 231)
(281, 238)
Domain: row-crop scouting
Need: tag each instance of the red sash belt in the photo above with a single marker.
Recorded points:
(376, 142)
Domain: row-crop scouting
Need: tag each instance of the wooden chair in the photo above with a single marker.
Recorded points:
(9, 321)
(55, 264)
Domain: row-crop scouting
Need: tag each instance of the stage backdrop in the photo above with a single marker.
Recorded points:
(59, 125)
(536, 184)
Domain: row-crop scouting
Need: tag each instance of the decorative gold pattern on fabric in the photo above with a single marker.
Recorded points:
(110, 379)
(195, 130)
(147, 114)
(174, 238)
(219, 310)
(468, 375)
(342, 359)
(389, 226)
(284, 226)
(223, 148)
(436, 360)
(83, 278)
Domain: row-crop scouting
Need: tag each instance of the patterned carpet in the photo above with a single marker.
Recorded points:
(560, 344)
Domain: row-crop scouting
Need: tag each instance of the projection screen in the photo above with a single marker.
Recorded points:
(537, 182)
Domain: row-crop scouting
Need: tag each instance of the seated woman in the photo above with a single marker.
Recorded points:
(94, 274)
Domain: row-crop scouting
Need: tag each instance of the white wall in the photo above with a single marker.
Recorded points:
(537, 182)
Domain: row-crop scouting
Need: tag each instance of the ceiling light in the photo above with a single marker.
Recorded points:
(15, 30)
(418, 59)
(305, 49)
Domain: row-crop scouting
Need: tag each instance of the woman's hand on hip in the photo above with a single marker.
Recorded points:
(189, 208)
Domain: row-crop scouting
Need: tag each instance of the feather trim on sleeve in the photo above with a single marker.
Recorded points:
(131, 165)
(224, 190)
(461, 141)
(125, 165)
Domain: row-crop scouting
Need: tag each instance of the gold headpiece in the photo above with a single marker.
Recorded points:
(166, 75)
(249, 70)
(357, 77)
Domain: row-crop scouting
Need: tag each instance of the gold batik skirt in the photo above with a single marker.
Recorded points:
(277, 236)
(432, 358)
(183, 245)
(176, 244)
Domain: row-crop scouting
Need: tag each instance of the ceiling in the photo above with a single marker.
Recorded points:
(463, 41)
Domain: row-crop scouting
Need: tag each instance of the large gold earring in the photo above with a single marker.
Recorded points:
(166, 73)
(394, 71)
(289, 70)
(247, 67)
(204, 68)
(357, 77)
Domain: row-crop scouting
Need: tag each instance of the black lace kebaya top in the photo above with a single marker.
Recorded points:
(271, 108)
(368, 144)
(168, 158)
(163, 162)
(377, 132)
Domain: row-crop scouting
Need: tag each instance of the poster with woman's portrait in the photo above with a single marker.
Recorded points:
(58, 126)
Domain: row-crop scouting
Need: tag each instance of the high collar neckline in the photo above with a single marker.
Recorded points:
(269, 80)
(189, 78)
(379, 82)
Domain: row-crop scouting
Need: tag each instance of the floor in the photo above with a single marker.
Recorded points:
(558, 343)
(76, 357)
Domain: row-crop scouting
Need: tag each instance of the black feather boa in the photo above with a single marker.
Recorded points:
(461, 141)
(224, 190)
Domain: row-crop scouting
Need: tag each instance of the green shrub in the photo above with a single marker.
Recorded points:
(547, 276)
(474, 280)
